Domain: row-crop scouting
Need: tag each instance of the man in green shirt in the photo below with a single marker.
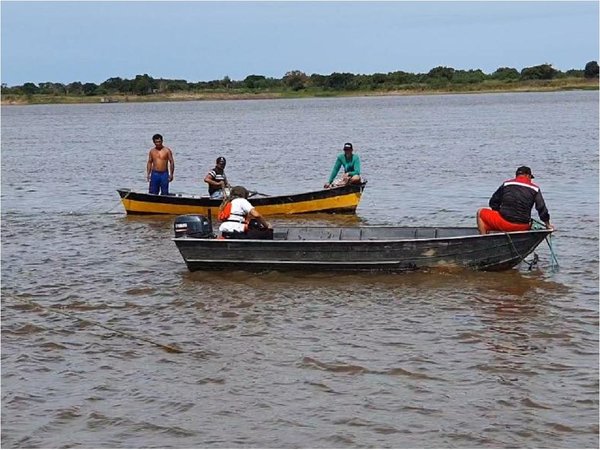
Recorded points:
(351, 165)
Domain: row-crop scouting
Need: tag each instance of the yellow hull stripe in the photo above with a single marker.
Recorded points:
(347, 201)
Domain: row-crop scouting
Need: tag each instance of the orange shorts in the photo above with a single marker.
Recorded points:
(494, 222)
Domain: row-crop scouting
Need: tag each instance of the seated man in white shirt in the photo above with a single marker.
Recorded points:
(240, 220)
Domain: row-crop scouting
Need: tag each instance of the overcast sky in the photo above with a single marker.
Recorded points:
(202, 41)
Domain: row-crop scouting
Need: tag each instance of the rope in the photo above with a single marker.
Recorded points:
(76, 211)
(531, 263)
(537, 225)
(168, 348)
(119, 202)
(553, 259)
(513, 246)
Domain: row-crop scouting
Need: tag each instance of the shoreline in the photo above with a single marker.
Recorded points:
(542, 86)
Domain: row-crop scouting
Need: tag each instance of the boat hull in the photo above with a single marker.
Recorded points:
(443, 248)
(343, 200)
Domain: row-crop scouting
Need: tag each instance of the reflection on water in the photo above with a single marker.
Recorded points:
(434, 358)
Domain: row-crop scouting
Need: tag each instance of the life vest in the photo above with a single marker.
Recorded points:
(225, 212)
(226, 216)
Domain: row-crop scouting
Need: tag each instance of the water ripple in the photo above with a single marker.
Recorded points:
(444, 359)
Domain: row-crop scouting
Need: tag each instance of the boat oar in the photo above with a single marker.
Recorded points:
(253, 193)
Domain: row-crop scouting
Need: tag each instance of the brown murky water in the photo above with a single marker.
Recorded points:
(296, 360)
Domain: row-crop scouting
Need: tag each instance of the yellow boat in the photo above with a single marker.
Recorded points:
(343, 199)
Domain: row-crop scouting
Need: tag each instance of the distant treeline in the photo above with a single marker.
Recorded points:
(437, 78)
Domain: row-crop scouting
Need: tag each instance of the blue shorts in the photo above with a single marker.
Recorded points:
(217, 195)
(159, 180)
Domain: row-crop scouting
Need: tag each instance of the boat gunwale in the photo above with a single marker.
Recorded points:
(351, 188)
(321, 241)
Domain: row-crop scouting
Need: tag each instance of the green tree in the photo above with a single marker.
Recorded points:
(143, 84)
(378, 78)
(52, 88)
(371, 82)
(399, 78)
(339, 81)
(505, 74)
(541, 72)
(468, 76)
(441, 73)
(115, 85)
(591, 70)
(270, 83)
(254, 81)
(172, 85)
(574, 73)
(317, 80)
(89, 88)
(29, 89)
(213, 84)
(75, 88)
(295, 79)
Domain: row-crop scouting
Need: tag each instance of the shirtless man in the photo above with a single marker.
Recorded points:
(160, 158)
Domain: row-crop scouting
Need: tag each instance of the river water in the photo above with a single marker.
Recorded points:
(289, 360)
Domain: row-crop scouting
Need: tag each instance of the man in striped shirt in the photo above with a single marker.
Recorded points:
(216, 179)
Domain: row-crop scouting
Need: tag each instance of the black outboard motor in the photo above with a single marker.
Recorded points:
(195, 226)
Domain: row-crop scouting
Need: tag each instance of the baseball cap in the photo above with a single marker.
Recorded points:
(347, 146)
(524, 170)
(221, 159)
